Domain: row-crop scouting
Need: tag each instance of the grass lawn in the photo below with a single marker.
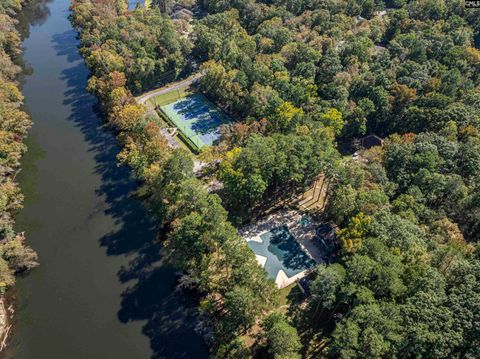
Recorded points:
(290, 295)
(169, 97)
(284, 293)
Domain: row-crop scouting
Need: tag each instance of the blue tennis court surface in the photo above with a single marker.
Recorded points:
(197, 118)
(282, 252)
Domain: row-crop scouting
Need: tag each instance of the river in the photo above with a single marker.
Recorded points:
(101, 290)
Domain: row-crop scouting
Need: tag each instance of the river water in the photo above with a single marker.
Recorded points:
(100, 291)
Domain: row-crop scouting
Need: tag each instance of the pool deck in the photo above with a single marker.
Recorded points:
(304, 234)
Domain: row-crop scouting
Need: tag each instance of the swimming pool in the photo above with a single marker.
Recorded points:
(282, 252)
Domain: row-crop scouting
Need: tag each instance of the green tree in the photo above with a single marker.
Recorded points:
(326, 288)
(372, 330)
(282, 339)
(241, 308)
(351, 236)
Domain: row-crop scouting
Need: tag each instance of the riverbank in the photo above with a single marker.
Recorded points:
(6, 319)
(3, 324)
(15, 255)
(101, 290)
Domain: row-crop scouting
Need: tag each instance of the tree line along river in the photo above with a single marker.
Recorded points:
(101, 290)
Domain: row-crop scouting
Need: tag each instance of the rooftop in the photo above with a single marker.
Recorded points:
(184, 14)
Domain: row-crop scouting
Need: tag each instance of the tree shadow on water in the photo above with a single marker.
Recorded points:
(150, 295)
(169, 323)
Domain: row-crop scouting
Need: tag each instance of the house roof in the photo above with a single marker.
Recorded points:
(182, 14)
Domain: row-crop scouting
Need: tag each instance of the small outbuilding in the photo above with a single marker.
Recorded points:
(182, 14)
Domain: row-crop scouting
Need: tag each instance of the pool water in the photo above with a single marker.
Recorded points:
(282, 251)
(305, 221)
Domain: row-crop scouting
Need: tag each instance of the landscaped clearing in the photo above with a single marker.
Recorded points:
(315, 198)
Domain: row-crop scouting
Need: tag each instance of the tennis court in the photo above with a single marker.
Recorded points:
(197, 118)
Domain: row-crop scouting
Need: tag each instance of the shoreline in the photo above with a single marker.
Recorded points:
(12, 74)
(6, 321)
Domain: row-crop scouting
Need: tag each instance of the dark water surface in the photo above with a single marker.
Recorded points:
(100, 291)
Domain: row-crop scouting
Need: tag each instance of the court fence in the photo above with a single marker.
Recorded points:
(192, 143)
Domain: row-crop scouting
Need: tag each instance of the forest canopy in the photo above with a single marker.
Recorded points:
(305, 80)
(15, 256)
